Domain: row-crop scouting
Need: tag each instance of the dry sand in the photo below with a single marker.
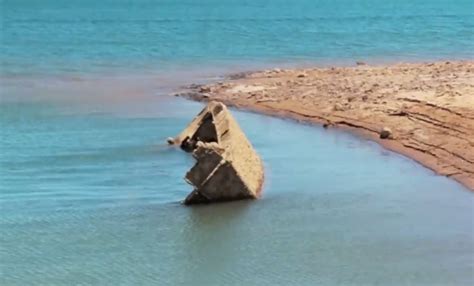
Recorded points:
(429, 107)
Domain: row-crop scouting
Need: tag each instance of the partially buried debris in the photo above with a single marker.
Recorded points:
(227, 167)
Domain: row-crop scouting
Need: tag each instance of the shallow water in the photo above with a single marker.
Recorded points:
(90, 195)
(89, 192)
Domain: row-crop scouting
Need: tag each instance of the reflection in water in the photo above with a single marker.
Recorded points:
(212, 240)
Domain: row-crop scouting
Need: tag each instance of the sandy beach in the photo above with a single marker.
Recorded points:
(425, 109)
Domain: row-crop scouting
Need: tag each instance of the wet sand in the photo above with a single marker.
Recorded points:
(428, 108)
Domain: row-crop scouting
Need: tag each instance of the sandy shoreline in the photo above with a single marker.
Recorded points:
(428, 107)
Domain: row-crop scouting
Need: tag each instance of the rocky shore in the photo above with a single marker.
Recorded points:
(422, 110)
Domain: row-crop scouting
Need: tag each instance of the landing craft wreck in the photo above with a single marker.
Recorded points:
(227, 167)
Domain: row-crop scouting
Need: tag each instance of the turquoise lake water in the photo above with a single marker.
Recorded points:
(64, 36)
(90, 192)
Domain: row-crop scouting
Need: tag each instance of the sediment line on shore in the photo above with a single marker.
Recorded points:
(428, 108)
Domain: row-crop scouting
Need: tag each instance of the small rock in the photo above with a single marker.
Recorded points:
(361, 63)
(326, 125)
(338, 107)
(301, 75)
(170, 140)
(385, 133)
(205, 89)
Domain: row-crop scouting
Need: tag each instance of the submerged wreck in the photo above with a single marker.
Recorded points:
(227, 167)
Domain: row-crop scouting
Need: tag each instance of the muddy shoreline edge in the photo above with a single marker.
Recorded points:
(436, 98)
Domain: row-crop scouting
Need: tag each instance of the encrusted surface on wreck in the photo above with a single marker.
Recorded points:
(227, 167)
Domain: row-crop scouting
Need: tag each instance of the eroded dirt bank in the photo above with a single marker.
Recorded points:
(427, 109)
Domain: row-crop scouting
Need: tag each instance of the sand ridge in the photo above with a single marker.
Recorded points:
(429, 107)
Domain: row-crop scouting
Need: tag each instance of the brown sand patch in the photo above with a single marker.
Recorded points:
(427, 107)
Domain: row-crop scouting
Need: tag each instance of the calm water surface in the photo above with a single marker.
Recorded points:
(90, 195)
(58, 36)
(89, 192)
